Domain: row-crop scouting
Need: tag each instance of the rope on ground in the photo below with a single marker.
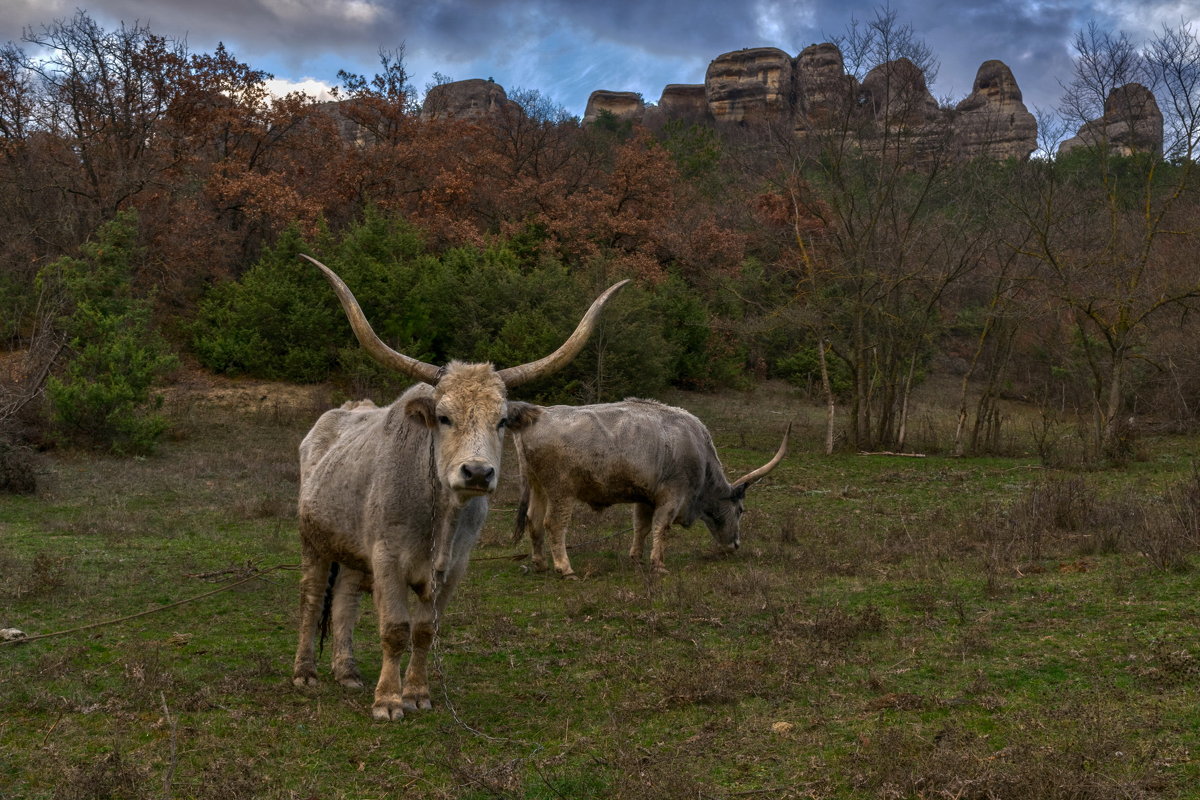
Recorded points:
(155, 610)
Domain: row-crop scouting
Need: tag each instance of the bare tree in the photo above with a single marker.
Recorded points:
(1105, 223)
(105, 93)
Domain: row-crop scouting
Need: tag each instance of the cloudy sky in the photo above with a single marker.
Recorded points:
(567, 48)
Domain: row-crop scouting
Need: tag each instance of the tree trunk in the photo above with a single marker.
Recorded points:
(827, 391)
(904, 395)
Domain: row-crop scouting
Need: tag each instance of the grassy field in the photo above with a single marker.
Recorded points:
(892, 627)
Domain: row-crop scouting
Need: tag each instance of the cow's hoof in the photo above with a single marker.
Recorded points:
(569, 576)
(389, 709)
(346, 673)
(417, 702)
(659, 569)
(304, 681)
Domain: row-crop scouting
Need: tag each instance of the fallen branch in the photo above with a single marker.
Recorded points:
(890, 453)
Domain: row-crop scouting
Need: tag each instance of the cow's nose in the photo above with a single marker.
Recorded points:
(478, 475)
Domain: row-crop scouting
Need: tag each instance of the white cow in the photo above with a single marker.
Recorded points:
(396, 496)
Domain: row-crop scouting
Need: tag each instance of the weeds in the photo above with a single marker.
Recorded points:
(1065, 517)
(837, 627)
(41, 576)
(110, 776)
(1096, 761)
(18, 468)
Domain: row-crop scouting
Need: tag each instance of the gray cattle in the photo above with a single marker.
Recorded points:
(658, 457)
(396, 497)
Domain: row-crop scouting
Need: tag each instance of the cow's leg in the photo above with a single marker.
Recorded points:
(643, 515)
(391, 605)
(558, 519)
(346, 593)
(416, 677)
(427, 617)
(660, 525)
(536, 519)
(314, 577)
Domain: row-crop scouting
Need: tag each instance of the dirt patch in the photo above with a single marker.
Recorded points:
(192, 386)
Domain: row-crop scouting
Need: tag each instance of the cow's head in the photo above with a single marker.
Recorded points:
(724, 506)
(468, 414)
(468, 410)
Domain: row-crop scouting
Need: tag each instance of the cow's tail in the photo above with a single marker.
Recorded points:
(327, 606)
(522, 514)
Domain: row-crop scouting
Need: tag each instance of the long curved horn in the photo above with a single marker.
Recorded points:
(751, 477)
(513, 376)
(367, 337)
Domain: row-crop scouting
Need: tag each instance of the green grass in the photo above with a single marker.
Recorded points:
(922, 626)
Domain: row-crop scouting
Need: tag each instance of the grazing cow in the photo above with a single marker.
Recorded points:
(658, 457)
(396, 497)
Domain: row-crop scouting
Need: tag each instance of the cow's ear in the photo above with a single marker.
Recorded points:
(423, 411)
(522, 415)
(739, 492)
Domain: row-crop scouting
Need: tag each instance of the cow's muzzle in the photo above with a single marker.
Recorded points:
(478, 477)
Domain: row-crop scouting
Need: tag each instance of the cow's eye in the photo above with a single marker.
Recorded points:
(503, 423)
(444, 420)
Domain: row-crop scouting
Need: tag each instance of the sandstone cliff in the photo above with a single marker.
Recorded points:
(992, 120)
(812, 95)
(685, 101)
(1132, 122)
(622, 105)
(824, 92)
(750, 86)
(470, 99)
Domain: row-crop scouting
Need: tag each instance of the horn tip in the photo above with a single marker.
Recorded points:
(610, 291)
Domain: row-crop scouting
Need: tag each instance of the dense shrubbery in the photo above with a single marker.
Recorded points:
(282, 321)
(103, 398)
(748, 247)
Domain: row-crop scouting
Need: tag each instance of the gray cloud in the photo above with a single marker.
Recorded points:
(566, 48)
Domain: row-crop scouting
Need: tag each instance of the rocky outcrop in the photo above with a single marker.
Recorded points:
(824, 91)
(751, 86)
(896, 113)
(470, 99)
(891, 110)
(622, 105)
(685, 101)
(1132, 123)
(894, 93)
(993, 121)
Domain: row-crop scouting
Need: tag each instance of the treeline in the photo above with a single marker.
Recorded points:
(852, 271)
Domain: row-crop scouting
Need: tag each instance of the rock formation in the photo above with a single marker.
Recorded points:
(470, 99)
(1132, 122)
(993, 121)
(894, 93)
(812, 93)
(891, 111)
(896, 109)
(823, 89)
(622, 105)
(685, 101)
(750, 86)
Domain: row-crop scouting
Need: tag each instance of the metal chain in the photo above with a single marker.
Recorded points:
(435, 650)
